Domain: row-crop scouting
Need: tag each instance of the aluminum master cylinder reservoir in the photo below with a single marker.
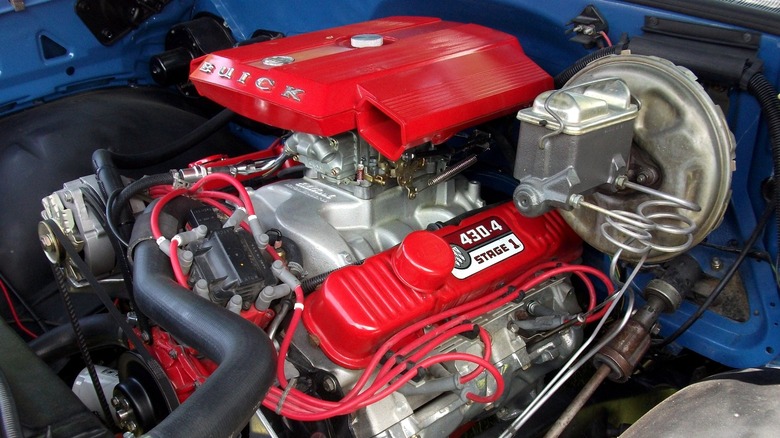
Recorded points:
(357, 308)
(572, 141)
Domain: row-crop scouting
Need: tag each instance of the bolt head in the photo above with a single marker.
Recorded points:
(716, 263)
(328, 384)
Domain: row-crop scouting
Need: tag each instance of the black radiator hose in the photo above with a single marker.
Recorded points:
(99, 330)
(223, 405)
(766, 94)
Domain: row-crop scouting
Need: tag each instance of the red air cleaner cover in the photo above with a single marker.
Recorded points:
(428, 80)
(360, 307)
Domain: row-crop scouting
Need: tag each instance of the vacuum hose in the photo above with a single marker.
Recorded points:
(224, 404)
(138, 161)
(564, 76)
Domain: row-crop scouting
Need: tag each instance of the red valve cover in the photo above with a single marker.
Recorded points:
(428, 80)
(359, 307)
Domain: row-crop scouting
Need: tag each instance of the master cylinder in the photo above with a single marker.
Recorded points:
(572, 141)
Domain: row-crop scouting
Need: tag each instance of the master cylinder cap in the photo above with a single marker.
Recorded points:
(423, 261)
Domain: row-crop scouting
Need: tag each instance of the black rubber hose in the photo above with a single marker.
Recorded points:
(223, 405)
(99, 331)
(181, 145)
(564, 76)
(116, 204)
(310, 284)
(142, 184)
(766, 94)
(107, 174)
(10, 425)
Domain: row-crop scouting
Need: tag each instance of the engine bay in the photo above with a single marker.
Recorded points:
(402, 226)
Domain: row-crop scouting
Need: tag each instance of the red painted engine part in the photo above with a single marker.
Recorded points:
(428, 80)
(181, 364)
(358, 308)
(185, 368)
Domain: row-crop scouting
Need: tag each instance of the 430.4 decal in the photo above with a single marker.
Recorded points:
(481, 232)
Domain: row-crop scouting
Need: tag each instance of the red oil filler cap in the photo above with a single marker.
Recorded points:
(423, 261)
